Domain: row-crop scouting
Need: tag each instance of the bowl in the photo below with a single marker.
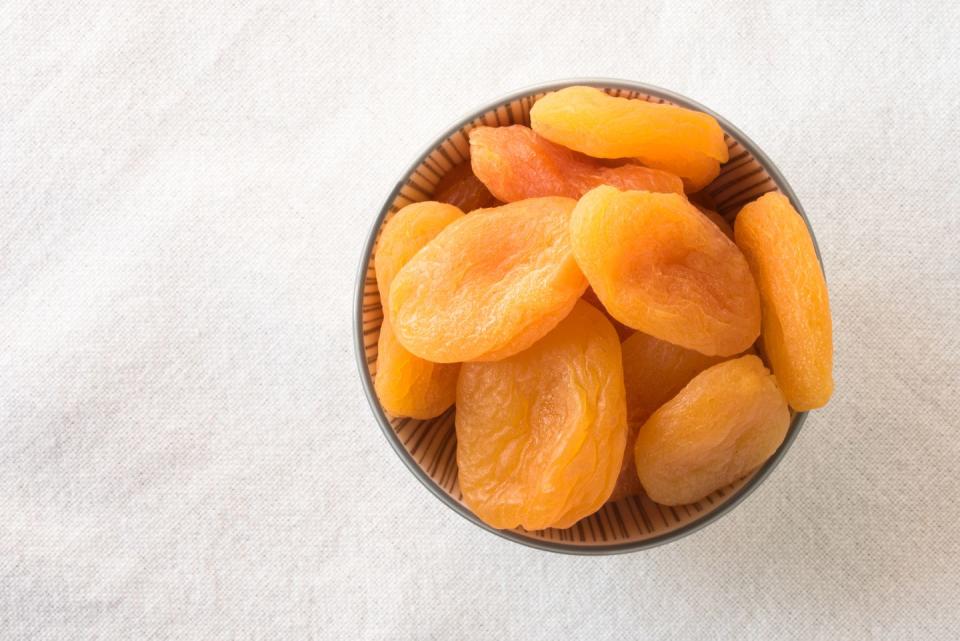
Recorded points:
(428, 447)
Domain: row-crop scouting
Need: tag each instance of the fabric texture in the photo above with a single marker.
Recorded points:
(185, 448)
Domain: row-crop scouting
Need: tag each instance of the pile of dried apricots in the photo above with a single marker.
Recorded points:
(594, 327)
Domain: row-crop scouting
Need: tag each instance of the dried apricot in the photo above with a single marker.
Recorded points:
(660, 266)
(695, 169)
(540, 434)
(460, 187)
(408, 385)
(687, 143)
(717, 220)
(797, 329)
(653, 372)
(622, 330)
(489, 285)
(516, 163)
(404, 235)
(726, 422)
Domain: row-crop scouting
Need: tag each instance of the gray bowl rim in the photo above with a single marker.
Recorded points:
(391, 435)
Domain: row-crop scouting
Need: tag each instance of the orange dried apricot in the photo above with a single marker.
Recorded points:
(653, 372)
(695, 169)
(622, 330)
(404, 235)
(516, 163)
(605, 126)
(717, 220)
(660, 266)
(687, 143)
(489, 285)
(797, 329)
(725, 423)
(408, 385)
(460, 187)
(540, 434)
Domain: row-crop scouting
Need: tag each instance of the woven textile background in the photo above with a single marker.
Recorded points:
(185, 449)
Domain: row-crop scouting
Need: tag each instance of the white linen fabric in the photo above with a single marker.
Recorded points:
(185, 448)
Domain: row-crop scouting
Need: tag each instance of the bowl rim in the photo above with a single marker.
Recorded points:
(367, 381)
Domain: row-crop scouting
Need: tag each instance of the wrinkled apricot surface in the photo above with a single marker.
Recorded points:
(408, 385)
(490, 284)
(540, 434)
(660, 266)
(654, 371)
(797, 329)
(516, 163)
(725, 423)
(684, 142)
(404, 235)
(461, 188)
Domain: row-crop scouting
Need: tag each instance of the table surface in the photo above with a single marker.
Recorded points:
(185, 449)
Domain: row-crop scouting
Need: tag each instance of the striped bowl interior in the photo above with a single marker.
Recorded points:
(429, 446)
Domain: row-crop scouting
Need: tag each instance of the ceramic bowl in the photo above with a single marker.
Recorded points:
(428, 447)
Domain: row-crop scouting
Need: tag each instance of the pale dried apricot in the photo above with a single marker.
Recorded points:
(653, 372)
(490, 284)
(540, 434)
(516, 163)
(404, 235)
(725, 423)
(797, 329)
(660, 266)
(687, 143)
(460, 187)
